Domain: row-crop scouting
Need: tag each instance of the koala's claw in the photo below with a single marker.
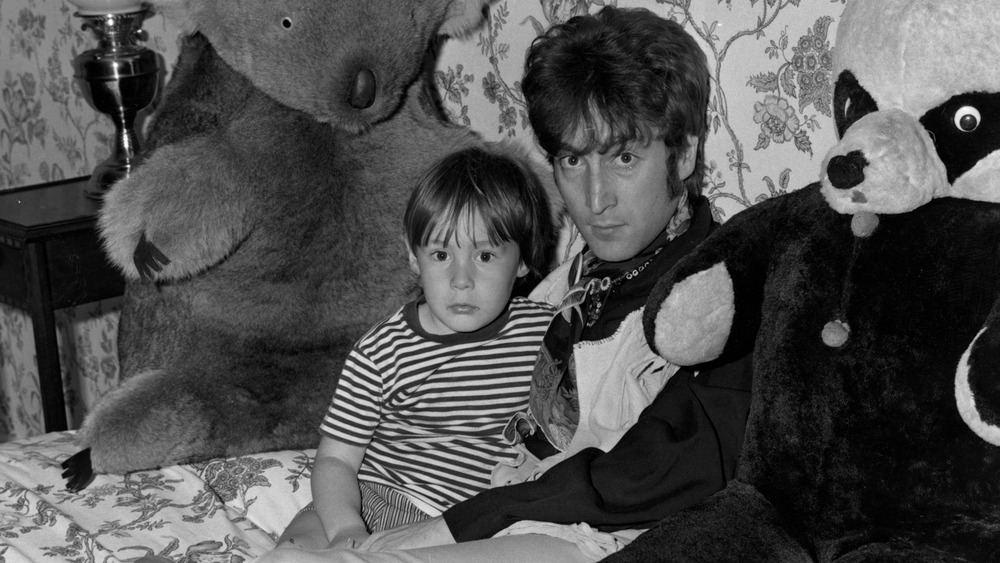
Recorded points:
(78, 471)
(148, 258)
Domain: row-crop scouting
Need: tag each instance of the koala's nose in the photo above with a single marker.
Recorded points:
(847, 170)
(363, 92)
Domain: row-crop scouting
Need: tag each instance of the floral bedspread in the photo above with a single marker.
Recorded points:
(223, 510)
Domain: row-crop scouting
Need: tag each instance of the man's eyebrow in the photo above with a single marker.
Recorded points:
(602, 147)
(568, 149)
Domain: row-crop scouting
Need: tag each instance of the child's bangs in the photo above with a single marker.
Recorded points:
(467, 215)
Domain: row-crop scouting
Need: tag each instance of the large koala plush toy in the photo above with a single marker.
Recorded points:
(262, 233)
(871, 301)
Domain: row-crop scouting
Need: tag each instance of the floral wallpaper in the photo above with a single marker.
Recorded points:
(770, 119)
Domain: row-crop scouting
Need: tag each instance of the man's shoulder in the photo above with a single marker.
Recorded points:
(554, 286)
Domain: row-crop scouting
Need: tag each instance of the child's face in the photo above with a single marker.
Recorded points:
(467, 282)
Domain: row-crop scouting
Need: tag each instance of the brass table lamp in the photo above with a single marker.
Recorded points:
(120, 77)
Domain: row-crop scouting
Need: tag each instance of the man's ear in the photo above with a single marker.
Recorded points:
(687, 157)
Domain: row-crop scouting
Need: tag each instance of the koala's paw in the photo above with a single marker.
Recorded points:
(148, 259)
(78, 471)
(174, 216)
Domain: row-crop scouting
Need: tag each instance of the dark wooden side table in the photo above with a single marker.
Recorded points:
(51, 258)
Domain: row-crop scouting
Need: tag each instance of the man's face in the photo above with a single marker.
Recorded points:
(619, 200)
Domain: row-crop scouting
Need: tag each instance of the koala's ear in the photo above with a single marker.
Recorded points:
(464, 16)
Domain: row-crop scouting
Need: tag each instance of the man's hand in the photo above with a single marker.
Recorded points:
(425, 533)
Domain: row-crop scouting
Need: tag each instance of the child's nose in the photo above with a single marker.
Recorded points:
(461, 276)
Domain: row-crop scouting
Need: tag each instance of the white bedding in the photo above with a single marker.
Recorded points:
(223, 510)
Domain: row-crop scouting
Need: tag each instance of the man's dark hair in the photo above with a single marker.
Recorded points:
(640, 75)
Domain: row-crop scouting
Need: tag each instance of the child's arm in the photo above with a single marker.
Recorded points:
(336, 495)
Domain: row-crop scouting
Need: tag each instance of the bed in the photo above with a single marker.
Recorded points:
(223, 510)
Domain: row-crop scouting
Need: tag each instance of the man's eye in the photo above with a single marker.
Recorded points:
(626, 158)
(570, 161)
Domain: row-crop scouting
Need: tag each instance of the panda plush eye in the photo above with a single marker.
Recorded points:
(965, 129)
(286, 23)
(967, 119)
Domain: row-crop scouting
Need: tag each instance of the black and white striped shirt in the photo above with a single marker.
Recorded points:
(431, 408)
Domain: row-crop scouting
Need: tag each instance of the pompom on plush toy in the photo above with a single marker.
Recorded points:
(261, 235)
(871, 300)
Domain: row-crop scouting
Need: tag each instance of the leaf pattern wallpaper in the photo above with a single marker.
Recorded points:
(769, 115)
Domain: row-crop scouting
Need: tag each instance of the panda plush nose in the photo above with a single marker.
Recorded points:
(363, 92)
(847, 170)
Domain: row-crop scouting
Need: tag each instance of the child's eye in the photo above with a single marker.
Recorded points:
(486, 256)
(439, 255)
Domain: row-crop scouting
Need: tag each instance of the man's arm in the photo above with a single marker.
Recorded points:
(682, 449)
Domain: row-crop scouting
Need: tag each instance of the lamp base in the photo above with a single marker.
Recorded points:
(120, 78)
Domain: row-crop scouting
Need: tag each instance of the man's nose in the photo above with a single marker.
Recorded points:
(600, 192)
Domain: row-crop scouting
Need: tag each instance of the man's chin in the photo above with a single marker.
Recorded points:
(613, 252)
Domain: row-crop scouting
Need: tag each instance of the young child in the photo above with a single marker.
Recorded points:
(416, 423)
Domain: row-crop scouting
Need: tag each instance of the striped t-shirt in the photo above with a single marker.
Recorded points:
(431, 408)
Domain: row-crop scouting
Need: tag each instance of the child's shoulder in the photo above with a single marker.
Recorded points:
(527, 306)
(389, 327)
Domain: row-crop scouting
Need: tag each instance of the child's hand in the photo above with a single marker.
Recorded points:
(351, 538)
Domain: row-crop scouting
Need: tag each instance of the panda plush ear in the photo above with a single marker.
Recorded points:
(851, 102)
(464, 16)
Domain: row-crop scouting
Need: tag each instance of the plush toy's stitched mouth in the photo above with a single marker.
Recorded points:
(858, 197)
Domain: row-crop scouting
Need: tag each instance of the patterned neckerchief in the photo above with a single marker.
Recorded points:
(553, 403)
